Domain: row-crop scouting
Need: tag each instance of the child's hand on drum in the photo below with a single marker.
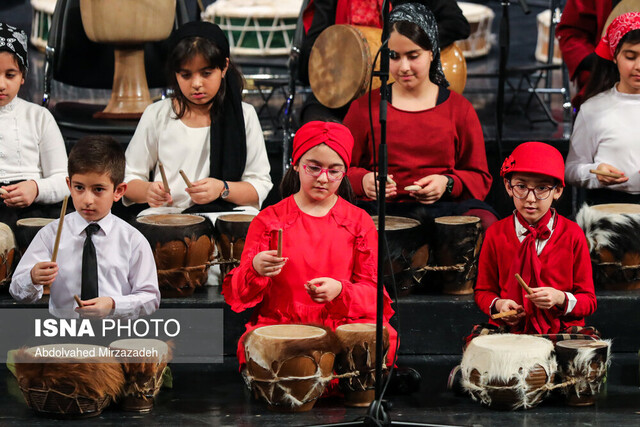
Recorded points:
(267, 263)
(96, 308)
(205, 190)
(20, 195)
(503, 305)
(607, 180)
(546, 297)
(369, 184)
(44, 273)
(433, 187)
(156, 196)
(323, 289)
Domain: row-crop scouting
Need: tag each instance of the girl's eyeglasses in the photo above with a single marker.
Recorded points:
(316, 171)
(521, 191)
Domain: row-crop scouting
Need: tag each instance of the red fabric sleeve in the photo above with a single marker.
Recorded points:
(358, 123)
(243, 287)
(487, 283)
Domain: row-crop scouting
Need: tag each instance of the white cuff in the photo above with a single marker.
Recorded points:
(571, 302)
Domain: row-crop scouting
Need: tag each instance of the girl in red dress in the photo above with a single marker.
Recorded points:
(327, 273)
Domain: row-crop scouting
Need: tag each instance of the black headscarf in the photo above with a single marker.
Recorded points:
(228, 153)
(14, 40)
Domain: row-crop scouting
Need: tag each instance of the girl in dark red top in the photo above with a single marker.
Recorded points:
(327, 272)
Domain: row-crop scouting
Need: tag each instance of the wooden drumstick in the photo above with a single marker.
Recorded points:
(164, 178)
(312, 286)
(186, 180)
(523, 284)
(279, 255)
(504, 314)
(412, 188)
(3, 191)
(607, 174)
(390, 181)
(77, 298)
(59, 233)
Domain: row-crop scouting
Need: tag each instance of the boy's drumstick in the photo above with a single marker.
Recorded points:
(164, 178)
(523, 284)
(279, 243)
(77, 298)
(57, 242)
(607, 174)
(186, 180)
(504, 314)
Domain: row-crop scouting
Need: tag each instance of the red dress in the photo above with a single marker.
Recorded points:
(566, 265)
(341, 245)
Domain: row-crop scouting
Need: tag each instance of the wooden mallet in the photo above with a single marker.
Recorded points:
(523, 284)
(78, 301)
(607, 174)
(3, 191)
(186, 180)
(279, 249)
(504, 314)
(164, 178)
(59, 232)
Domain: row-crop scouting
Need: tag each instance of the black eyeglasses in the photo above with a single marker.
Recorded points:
(521, 191)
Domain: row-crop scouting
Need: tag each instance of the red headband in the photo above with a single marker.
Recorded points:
(335, 135)
(619, 27)
(535, 157)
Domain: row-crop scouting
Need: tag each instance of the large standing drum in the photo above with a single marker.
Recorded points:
(288, 366)
(458, 240)
(41, 22)
(341, 58)
(7, 253)
(26, 230)
(142, 372)
(613, 235)
(230, 234)
(408, 253)
(480, 20)
(358, 355)
(183, 248)
(542, 45)
(66, 383)
(584, 363)
(508, 371)
(256, 27)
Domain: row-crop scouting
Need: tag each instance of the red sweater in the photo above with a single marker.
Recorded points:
(566, 265)
(341, 245)
(446, 139)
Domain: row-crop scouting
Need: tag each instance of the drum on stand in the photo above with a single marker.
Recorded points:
(143, 374)
(456, 249)
(7, 253)
(508, 371)
(41, 22)
(584, 364)
(183, 248)
(408, 253)
(256, 28)
(613, 236)
(68, 380)
(480, 20)
(542, 46)
(288, 366)
(230, 234)
(26, 230)
(358, 355)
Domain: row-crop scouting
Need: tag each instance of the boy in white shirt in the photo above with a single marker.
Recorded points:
(113, 268)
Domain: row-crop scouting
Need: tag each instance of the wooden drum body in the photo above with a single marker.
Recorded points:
(507, 371)
(183, 249)
(288, 366)
(480, 20)
(142, 374)
(7, 253)
(127, 24)
(230, 234)
(71, 386)
(542, 45)
(408, 251)
(585, 362)
(358, 341)
(456, 250)
(613, 235)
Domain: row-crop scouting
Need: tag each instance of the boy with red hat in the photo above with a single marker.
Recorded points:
(547, 250)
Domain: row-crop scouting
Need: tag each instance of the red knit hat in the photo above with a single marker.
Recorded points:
(335, 135)
(535, 157)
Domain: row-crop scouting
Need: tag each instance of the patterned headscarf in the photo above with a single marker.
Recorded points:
(14, 40)
(418, 14)
(617, 30)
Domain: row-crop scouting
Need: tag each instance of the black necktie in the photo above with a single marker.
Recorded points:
(89, 265)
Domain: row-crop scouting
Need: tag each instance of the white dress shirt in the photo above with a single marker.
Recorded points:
(31, 147)
(160, 136)
(126, 267)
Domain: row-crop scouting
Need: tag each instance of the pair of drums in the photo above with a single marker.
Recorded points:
(184, 248)
(289, 366)
(80, 380)
(507, 371)
(450, 262)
